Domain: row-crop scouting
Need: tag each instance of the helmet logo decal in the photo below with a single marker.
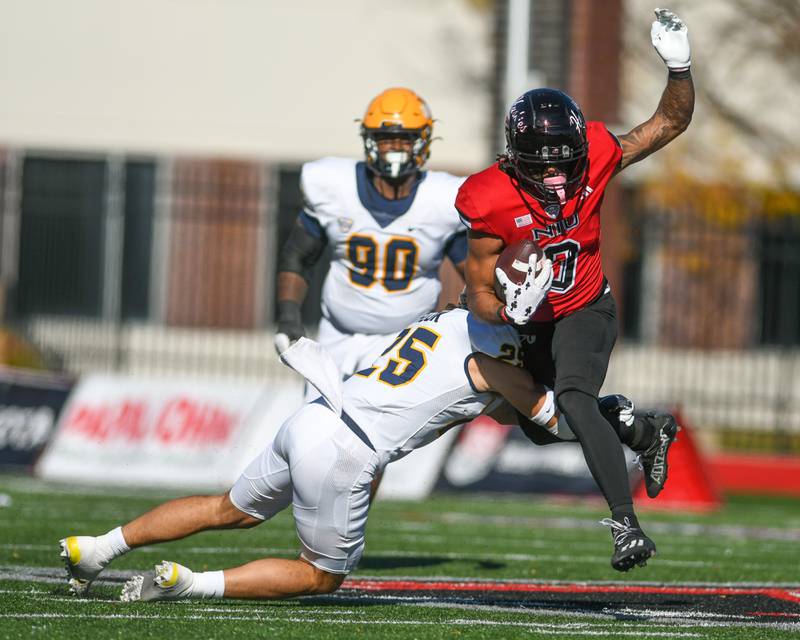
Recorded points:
(575, 120)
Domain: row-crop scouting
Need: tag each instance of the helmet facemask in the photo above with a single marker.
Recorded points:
(396, 163)
(553, 175)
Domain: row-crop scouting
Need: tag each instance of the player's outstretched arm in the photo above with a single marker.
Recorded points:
(482, 252)
(674, 112)
(516, 385)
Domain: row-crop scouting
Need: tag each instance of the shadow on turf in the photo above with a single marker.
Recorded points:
(378, 563)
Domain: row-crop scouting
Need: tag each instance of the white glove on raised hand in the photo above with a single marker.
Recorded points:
(523, 299)
(671, 39)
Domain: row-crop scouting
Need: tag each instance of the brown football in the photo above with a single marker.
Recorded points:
(513, 261)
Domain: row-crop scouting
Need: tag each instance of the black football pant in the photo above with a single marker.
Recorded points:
(571, 355)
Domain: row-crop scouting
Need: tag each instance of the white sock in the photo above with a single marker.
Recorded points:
(111, 545)
(209, 584)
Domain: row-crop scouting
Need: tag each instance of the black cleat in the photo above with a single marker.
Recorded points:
(631, 545)
(654, 457)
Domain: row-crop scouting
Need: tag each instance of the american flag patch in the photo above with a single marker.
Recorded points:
(523, 221)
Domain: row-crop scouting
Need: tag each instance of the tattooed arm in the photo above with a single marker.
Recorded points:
(670, 38)
(673, 115)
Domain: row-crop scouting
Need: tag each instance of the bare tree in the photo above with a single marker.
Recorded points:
(747, 76)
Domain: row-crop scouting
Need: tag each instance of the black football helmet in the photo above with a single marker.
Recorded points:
(546, 131)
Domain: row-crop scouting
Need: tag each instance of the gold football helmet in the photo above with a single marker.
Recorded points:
(397, 113)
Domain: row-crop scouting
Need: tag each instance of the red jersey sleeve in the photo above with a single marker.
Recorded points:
(605, 152)
(470, 206)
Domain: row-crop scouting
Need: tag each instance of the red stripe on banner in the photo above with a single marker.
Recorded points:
(424, 585)
(777, 475)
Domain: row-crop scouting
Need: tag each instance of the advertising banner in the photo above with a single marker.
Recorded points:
(164, 433)
(30, 403)
(490, 457)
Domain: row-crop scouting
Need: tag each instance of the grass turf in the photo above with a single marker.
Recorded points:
(751, 540)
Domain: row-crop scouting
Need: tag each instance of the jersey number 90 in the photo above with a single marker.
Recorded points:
(399, 261)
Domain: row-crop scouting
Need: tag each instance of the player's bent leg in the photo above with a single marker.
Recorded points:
(650, 435)
(277, 578)
(600, 444)
(85, 557)
(182, 517)
(606, 461)
(654, 457)
(267, 579)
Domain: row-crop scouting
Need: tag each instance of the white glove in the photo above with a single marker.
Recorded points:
(671, 39)
(626, 414)
(523, 299)
(282, 342)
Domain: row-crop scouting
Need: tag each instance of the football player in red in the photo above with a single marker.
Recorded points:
(549, 186)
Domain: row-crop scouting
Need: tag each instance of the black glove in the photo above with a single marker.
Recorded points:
(617, 408)
(290, 325)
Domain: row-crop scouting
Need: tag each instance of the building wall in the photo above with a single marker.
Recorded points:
(274, 80)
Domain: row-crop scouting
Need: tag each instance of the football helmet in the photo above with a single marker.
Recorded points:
(546, 145)
(397, 113)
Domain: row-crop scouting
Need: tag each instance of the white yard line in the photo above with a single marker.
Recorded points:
(544, 629)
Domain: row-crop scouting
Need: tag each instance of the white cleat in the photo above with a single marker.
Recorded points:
(82, 561)
(167, 581)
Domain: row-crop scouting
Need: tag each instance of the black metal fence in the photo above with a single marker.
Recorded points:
(167, 265)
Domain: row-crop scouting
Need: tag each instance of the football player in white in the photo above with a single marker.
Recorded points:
(389, 224)
(439, 372)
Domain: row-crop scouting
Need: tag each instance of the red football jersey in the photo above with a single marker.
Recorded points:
(492, 202)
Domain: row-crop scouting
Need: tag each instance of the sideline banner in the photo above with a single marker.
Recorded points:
(164, 433)
(490, 457)
(30, 402)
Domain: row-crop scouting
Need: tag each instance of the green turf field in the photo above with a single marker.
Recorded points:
(450, 539)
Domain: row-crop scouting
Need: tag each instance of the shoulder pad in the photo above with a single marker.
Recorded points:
(320, 181)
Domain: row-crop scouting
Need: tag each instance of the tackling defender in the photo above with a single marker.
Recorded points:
(549, 186)
(439, 372)
(389, 223)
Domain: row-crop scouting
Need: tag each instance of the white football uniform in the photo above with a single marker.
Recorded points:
(323, 463)
(385, 253)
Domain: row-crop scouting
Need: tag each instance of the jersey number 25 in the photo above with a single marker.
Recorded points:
(409, 360)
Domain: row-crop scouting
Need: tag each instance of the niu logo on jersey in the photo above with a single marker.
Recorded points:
(560, 227)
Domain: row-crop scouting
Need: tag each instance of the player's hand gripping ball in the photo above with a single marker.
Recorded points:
(522, 278)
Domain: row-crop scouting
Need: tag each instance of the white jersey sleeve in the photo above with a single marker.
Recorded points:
(320, 187)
